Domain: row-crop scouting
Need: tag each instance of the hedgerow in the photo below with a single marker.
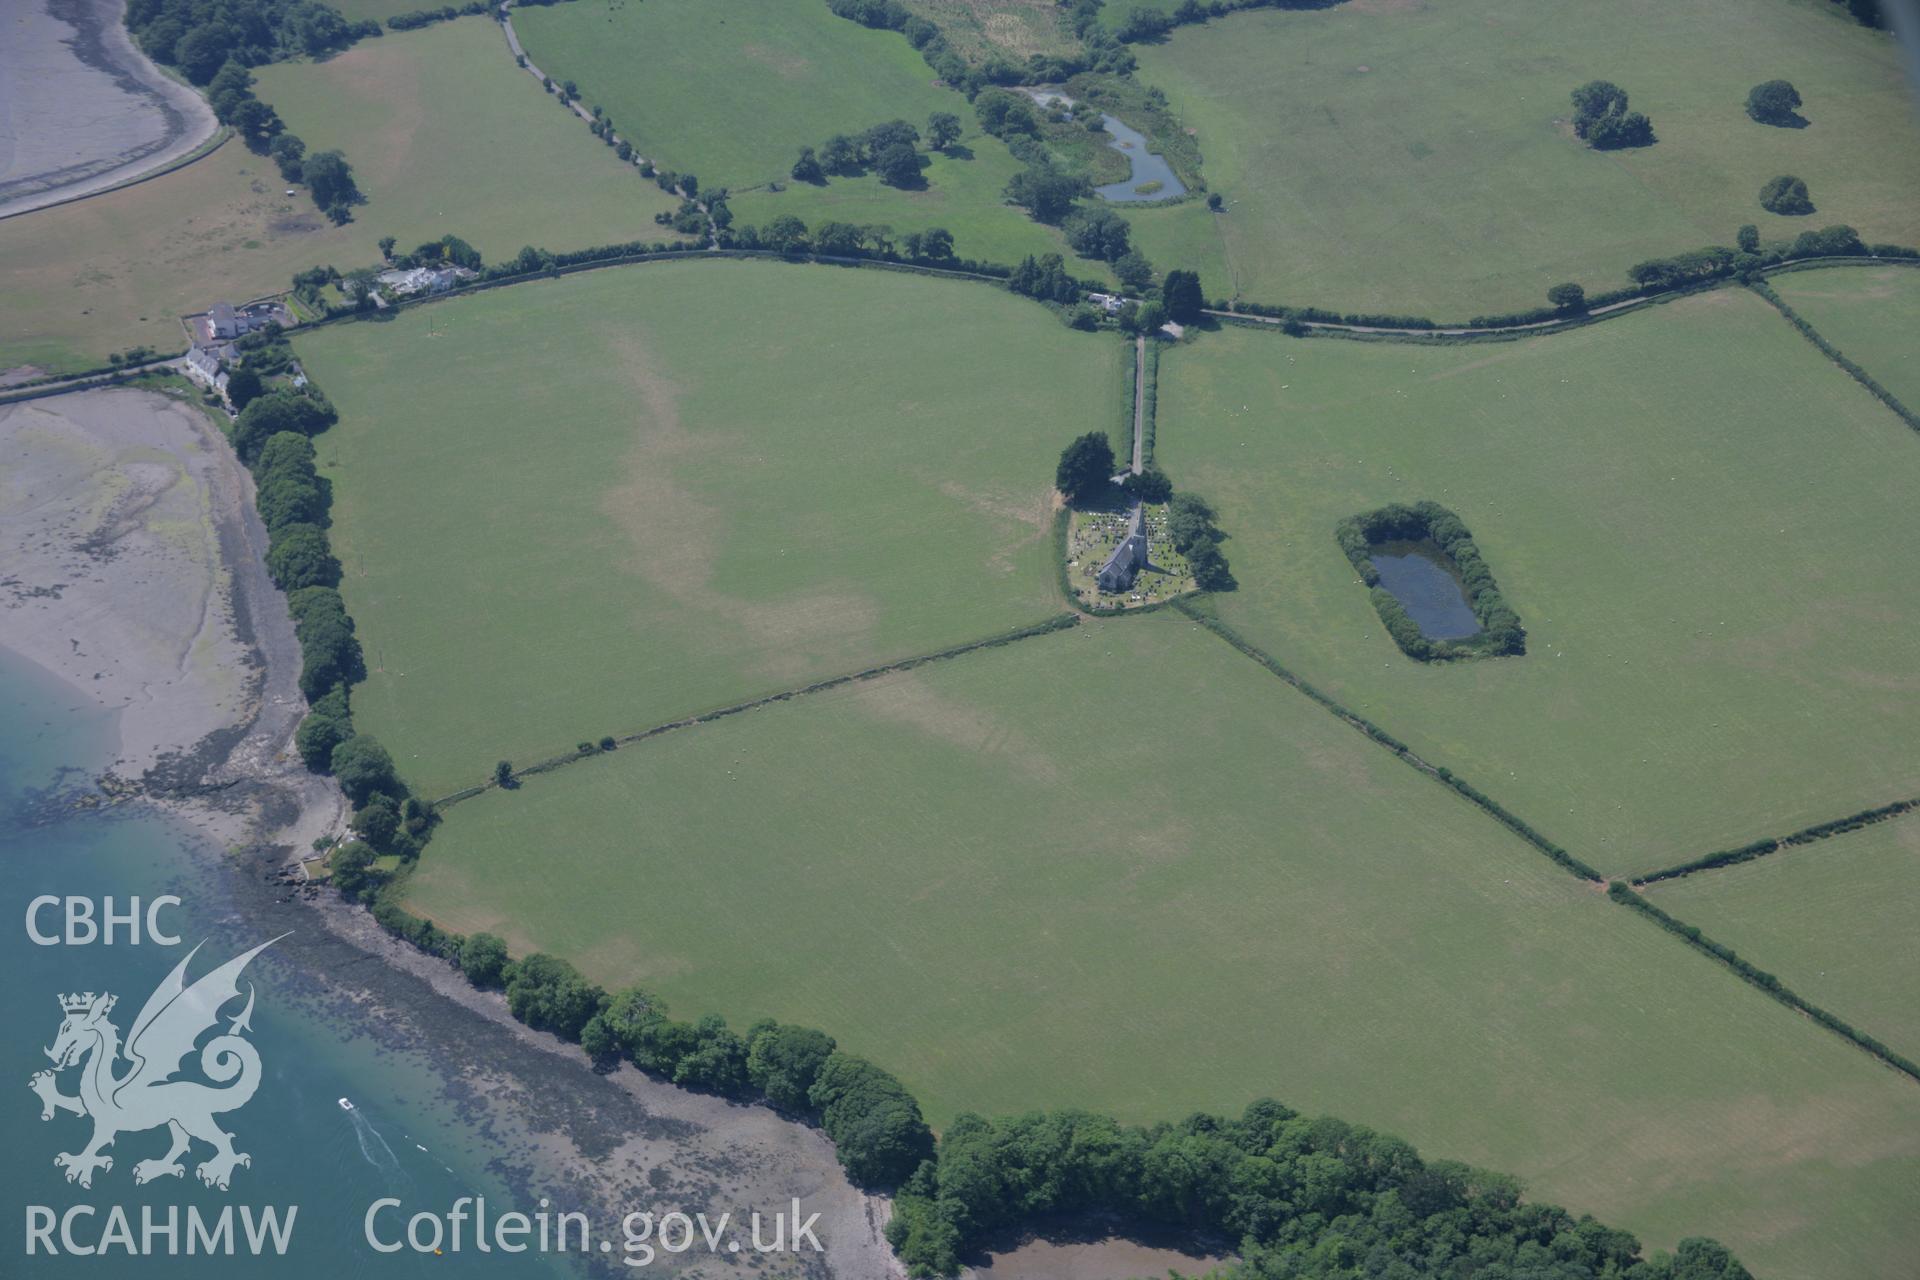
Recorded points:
(1624, 894)
(1761, 848)
(1200, 612)
(1834, 354)
(427, 17)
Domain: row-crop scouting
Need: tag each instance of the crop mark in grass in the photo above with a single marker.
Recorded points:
(1059, 622)
(910, 701)
(1773, 844)
(676, 537)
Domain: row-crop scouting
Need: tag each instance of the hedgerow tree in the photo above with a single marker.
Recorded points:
(1044, 192)
(377, 820)
(807, 167)
(278, 411)
(1600, 116)
(364, 768)
(548, 994)
(1001, 113)
(1086, 468)
(898, 165)
(1568, 297)
(1134, 270)
(943, 130)
(783, 1062)
(243, 388)
(330, 179)
(1748, 238)
(1776, 102)
(329, 652)
(1097, 233)
(351, 866)
(1181, 293)
(1786, 195)
(299, 557)
(327, 725)
(483, 958)
(875, 1124)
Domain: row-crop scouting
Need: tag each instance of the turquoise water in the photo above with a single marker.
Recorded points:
(315, 1047)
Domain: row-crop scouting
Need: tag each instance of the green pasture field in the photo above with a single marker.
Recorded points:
(1835, 920)
(1690, 508)
(1416, 158)
(429, 119)
(1872, 314)
(962, 195)
(445, 135)
(587, 506)
(1124, 868)
(731, 92)
(1012, 29)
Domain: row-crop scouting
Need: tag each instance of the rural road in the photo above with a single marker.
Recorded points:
(81, 108)
(1139, 400)
(1457, 331)
(172, 364)
(613, 139)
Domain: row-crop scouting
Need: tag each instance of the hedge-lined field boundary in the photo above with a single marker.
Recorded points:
(1834, 354)
(1472, 794)
(1623, 893)
(1761, 848)
(1620, 891)
(588, 750)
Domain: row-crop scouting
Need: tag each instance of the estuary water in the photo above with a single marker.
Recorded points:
(405, 1137)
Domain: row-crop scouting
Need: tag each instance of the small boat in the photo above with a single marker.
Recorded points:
(345, 1105)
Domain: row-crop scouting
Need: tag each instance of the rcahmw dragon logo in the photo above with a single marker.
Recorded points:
(145, 1095)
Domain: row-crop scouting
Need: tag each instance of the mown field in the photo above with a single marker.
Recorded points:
(1416, 157)
(1872, 314)
(1835, 920)
(430, 121)
(118, 269)
(962, 194)
(1124, 868)
(1011, 29)
(586, 506)
(731, 92)
(445, 135)
(1687, 506)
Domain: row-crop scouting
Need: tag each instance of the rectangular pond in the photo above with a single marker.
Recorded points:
(1421, 578)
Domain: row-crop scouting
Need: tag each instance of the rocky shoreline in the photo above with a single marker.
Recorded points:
(131, 566)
